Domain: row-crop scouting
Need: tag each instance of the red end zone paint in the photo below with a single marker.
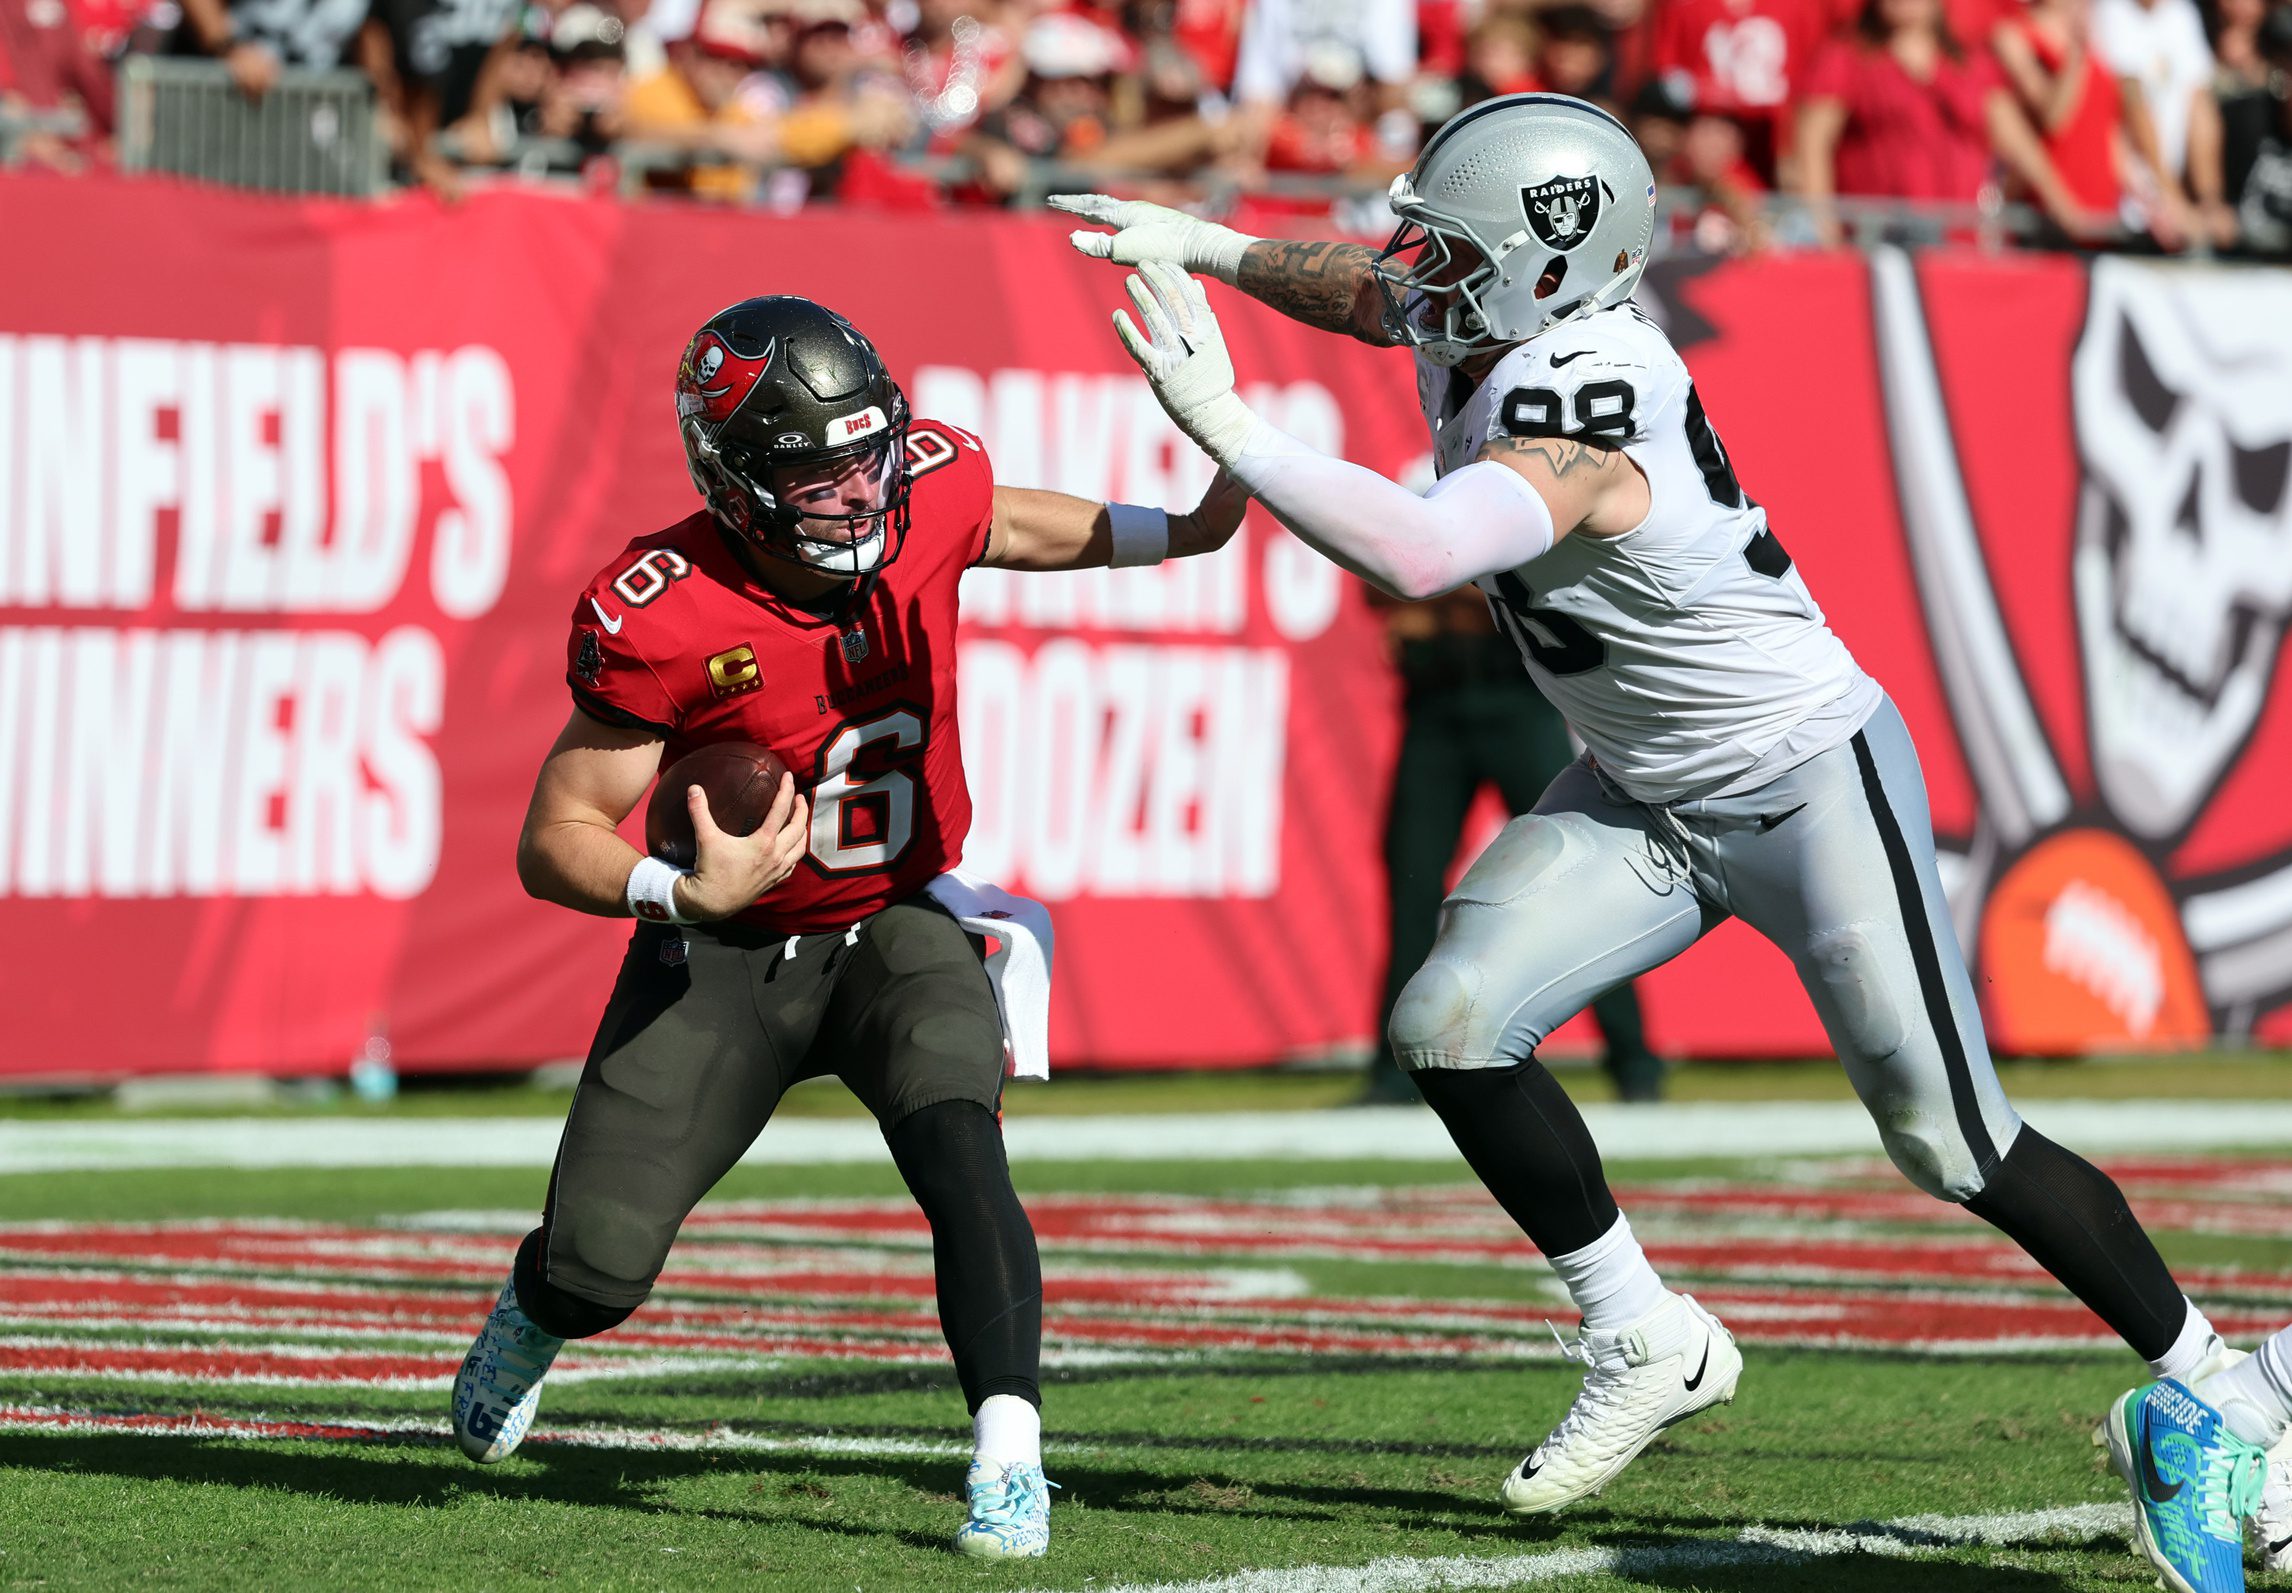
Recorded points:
(1857, 1261)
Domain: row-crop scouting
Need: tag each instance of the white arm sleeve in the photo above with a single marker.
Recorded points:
(1474, 522)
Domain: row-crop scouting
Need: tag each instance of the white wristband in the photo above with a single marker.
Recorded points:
(651, 892)
(1141, 535)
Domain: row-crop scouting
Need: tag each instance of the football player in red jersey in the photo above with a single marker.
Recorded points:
(810, 608)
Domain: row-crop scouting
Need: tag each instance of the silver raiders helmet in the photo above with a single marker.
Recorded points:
(1522, 211)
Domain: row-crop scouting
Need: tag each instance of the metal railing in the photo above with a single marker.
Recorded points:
(16, 126)
(312, 133)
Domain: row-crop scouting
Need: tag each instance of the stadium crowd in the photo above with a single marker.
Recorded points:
(2164, 124)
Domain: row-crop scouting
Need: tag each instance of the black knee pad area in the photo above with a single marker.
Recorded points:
(551, 1308)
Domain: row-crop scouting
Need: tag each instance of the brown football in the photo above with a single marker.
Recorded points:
(740, 779)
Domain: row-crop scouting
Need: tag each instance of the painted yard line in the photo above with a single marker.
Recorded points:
(208, 1425)
(1662, 1132)
(1756, 1546)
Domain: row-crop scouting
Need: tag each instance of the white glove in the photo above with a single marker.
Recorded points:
(1183, 354)
(1146, 232)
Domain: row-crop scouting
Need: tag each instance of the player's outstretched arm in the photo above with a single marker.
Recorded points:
(570, 853)
(1329, 286)
(1489, 516)
(1035, 530)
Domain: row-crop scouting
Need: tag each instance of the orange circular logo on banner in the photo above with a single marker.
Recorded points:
(2082, 950)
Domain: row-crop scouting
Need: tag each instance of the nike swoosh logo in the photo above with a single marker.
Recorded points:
(1696, 1382)
(2158, 1490)
(612, 625)
(2280, 1545)
(1559, 360)
(1768, 821)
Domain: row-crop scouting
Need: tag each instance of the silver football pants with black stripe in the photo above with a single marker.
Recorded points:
(1833, 862)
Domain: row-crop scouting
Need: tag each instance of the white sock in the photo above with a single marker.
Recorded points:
(1610, 1280)
(2254, 1397)
(1008, 1431)
(2192, 1349)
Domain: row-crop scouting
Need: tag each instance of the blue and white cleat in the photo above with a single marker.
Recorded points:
(2194, 1484)
(499, 1387)
(1010, 1512)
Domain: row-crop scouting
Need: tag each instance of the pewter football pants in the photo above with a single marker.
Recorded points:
(1833, 862)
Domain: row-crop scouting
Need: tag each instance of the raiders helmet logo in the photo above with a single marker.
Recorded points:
(1563, 212)
(715, 380)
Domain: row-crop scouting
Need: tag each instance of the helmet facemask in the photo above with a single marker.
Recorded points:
(1435, 302)
(842, 513)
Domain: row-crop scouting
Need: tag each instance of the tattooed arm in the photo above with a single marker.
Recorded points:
(1589, 488)
(1332, 286)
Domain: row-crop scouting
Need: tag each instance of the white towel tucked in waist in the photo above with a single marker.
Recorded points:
(1020, 967)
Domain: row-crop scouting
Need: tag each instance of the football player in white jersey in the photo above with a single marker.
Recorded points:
(1740, 763)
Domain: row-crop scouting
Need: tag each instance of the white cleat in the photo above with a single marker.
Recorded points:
(499, 1387)
(2272, 1526)
(1671, 1363)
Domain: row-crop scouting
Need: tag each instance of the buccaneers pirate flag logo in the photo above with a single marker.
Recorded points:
(2127, 881)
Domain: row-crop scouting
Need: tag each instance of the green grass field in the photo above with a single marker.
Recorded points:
(237, 1378)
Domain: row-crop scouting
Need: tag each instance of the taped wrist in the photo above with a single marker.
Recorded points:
(1217, 252)
(651, 892)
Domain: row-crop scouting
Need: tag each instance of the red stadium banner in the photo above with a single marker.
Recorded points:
(294, 496)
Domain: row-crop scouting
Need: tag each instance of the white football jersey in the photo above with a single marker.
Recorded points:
(1687, 653)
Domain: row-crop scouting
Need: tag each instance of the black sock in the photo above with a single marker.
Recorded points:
(2072, 1219)
(550, 1308)
(1526, 1140)
(982, 1247)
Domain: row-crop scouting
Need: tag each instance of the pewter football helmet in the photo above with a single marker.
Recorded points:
(1523, 211)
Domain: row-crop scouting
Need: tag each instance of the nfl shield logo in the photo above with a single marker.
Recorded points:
(1563, 211)
(672, 952)
(855, 645)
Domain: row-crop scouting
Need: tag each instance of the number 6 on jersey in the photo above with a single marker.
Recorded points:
(858, 822)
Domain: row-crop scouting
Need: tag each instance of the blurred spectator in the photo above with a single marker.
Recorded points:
(387, 39)
(1210, 31)
(2241, 89)
(837, 100)
(2078, 107)
(1078, 109)
(2159, 46)
(1328, 127)
(49, 63)
(459, 41)
(960, 66)
(1898, 110)
(2264, 210)
(1575, 53)
(1499, 58)
(1064, 107)
(1277, 35)
(694, 105)
(1740, 59)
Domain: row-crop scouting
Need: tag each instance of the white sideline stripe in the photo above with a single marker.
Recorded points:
(1671, 1131)
(1901, 1539)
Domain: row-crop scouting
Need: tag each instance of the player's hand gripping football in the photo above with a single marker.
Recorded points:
(1183, 353)
(1146, 232)
(731, 871)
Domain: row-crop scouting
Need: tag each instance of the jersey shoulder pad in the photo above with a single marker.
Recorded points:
(616, 624)
(952, 492)
(1603, 378)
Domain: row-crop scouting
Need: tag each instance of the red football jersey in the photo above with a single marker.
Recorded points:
(1742, 57)
(675, 635)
